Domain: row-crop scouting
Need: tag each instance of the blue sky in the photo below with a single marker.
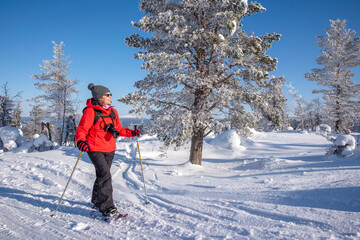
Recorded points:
(94, 32)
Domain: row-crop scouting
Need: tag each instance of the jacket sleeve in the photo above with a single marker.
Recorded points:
(123, 132)
(86, 122)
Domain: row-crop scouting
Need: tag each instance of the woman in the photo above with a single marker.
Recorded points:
(96, 135)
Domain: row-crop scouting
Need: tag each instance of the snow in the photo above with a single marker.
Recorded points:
(279, 185)
(233, 29)
(245, 4)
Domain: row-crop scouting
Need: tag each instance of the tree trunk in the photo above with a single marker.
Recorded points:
(196, 148)
(338, 121)
(49, 131)
(198, 133)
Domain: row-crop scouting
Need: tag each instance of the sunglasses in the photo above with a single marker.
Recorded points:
(108, 94)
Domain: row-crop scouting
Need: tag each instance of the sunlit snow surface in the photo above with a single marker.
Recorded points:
(276, 185)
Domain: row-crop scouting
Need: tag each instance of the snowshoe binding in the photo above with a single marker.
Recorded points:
(112, 215)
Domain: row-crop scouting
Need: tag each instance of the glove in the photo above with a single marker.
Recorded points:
(83, 146)
(135, 133)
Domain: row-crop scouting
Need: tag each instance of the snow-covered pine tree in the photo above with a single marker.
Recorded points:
(7, 105)
(57, 87)
(16, 118)
(340, 53)
(37, 113)
(277, 102)
(203, 69)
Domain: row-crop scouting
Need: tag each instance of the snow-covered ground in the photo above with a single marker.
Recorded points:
(277, 186)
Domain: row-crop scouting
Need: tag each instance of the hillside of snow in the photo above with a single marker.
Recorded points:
(277, 185)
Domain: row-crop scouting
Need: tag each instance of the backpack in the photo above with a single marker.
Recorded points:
(99, 114)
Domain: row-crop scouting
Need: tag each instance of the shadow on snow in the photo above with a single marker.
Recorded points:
(44, 201)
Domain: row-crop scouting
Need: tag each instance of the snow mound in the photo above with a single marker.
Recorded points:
(344, 146)
(39, 143)
(11, 138)
(228, 139)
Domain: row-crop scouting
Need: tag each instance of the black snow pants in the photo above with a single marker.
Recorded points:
(102, 195)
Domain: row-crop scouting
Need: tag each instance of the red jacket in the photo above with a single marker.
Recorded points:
(99, 140)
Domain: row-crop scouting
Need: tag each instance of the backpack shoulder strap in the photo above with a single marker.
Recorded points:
(112, 114)
(98, 114)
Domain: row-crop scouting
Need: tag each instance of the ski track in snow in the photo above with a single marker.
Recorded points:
(280, 187)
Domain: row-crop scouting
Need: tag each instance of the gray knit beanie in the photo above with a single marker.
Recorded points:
(97, 91)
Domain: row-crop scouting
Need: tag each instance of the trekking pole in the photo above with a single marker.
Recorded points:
(67, 185)
(142, 170)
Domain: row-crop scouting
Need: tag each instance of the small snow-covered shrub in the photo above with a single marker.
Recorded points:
(324, 130)
(344, 146)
